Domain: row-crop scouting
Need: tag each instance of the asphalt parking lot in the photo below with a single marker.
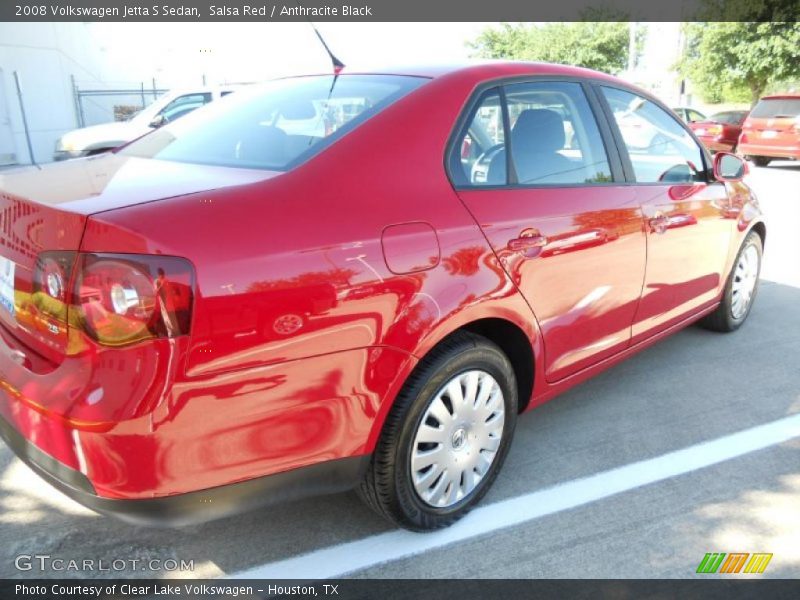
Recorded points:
(692, 446)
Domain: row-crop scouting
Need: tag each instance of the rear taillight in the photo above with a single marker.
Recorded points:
(50, 297)
(115, 299)
(122, 299)
(715, 129)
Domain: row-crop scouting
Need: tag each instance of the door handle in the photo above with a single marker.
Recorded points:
(680, 220)
(528, 239)
(661, 222)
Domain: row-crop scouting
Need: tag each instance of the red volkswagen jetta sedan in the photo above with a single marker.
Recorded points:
(352, 281)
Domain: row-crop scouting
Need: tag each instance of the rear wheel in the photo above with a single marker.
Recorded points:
(741, 288)
(446, 437)
(760, 161)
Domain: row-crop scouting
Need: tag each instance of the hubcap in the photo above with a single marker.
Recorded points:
(744, 282)
(457, 439)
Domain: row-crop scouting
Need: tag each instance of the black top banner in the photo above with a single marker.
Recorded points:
(398, 10)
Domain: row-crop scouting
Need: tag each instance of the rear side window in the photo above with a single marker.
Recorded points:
(660, 149)
(275, 126)
(771, 108)
(480, 155)
(554, 136)
(729, 118)
(693, 115)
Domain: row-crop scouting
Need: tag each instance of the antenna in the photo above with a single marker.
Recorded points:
(337, 64)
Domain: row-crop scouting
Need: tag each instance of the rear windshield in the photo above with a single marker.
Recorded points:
(777, 107)
(275, 126)
(729, 118)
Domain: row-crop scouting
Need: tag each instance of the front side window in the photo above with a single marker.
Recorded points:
(554, 135)
(274, 126)
(183, 105)
(660, 149)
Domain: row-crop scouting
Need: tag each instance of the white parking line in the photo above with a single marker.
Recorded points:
(341, 559)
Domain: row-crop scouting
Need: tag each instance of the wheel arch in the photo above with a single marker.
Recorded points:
(515, 336)
(517, 347)
(761, 229)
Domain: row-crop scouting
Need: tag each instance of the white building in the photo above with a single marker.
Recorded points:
(50, 58)
(45, 56)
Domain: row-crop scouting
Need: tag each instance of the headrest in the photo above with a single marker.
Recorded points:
(538, 130)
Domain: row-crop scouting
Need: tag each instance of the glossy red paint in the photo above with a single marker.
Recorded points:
(584, 309)
(719, 136)
(318, 290)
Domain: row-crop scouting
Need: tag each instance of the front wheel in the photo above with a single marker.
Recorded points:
(741, 288)
(760, 161)
(446, 437)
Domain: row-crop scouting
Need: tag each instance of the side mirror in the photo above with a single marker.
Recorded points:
(729, 167)
(158, 121)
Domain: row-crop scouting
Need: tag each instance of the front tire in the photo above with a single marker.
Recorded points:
(761, 161)
(741, 288)
(446, 436)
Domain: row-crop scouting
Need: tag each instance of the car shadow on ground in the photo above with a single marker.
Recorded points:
(784, 165)
(691, 387)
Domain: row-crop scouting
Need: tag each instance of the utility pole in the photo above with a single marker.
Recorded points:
(631, 48)
(24, 118)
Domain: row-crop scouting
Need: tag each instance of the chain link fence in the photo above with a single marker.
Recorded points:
(95, 105)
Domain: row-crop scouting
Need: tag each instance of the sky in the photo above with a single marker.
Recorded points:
(179, 54)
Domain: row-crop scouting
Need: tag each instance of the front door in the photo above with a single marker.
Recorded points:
(688, 229)
(568, 235)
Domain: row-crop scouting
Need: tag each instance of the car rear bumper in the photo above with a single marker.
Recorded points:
(193, 507)
(750, 149)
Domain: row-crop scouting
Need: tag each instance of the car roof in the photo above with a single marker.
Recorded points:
(483, 70)
(781, 96)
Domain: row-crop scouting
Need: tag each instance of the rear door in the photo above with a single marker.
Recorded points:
(531, 165)
(688, 229)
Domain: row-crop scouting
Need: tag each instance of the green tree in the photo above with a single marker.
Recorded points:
(596, 45)
(729, 61)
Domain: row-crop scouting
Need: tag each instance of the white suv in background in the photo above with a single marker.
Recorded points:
(165, 109)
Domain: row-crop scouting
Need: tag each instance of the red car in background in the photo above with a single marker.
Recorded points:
(772, 130)
(244, 306)
(720, 132)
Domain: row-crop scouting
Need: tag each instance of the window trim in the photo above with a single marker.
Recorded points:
(609, 144)
(707, 171)
(453, 155)
(616, 150)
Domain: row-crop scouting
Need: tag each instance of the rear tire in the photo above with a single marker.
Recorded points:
(740, 289)
(761, 161)
(469, 439)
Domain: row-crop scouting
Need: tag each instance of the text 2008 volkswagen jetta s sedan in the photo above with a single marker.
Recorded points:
(352, 281)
